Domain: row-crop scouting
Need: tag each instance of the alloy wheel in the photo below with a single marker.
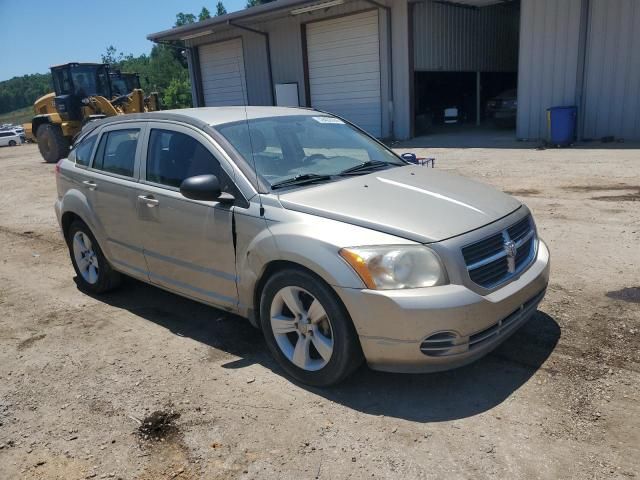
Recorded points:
(302, 328)
(85, 257)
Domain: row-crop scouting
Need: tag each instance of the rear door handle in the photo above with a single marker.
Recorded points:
(90, 184)
(149, 200)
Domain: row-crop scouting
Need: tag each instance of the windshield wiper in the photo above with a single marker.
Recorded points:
(365, 167)
(301, 180)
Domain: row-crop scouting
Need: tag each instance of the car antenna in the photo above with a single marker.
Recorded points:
(245, 100)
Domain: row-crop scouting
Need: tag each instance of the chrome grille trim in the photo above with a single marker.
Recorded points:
(502, 253)
(493, 269)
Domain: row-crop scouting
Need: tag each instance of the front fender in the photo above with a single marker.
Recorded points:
(313, 250)
(309, 241)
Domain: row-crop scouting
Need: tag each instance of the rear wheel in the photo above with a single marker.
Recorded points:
(52, 143)
(12, 143)
(92, 268)
(307, 329)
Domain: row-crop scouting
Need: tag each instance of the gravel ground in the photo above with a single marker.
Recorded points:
(143, 384)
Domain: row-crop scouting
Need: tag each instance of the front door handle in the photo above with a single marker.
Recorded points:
(149, 200)
(90, 184)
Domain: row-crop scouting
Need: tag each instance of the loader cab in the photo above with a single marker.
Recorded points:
(123, 83)
(73, 82)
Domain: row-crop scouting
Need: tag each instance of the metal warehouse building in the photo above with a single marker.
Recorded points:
(392, 66)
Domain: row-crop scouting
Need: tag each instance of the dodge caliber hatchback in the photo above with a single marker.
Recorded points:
(336, 248)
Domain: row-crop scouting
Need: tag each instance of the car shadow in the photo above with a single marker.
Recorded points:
(434, 397)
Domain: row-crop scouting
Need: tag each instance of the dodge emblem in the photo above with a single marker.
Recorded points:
(511, 250)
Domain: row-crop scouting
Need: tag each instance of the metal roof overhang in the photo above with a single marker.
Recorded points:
(267, 11)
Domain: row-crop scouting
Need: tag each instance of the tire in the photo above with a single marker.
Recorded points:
(331, 325)
(52, 143)
(94, 272)
(12, 143)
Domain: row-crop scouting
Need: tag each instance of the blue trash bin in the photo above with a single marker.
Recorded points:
(561, 125)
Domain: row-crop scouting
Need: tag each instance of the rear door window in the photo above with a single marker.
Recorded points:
(117, 152)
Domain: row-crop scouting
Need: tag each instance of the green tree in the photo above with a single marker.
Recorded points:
(177, 94)
(204, 14)
(112, 56)
(220, 10)
(21, 92)
(254, 3)
(184, 19)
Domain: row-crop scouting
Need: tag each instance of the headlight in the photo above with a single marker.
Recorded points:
(395, 267)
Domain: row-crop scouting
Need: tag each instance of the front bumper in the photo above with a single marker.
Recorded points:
(392, 325)
(58, 209)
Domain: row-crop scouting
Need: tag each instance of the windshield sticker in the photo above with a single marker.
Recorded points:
(333, 120)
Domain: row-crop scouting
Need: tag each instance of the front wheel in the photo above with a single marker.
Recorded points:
(12, 143)
(92, 268)
(53, 145)
(307, 329)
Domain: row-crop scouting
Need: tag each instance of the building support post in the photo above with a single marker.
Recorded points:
(582, 66)
(389, 54)
(193, 61)
(478, 102)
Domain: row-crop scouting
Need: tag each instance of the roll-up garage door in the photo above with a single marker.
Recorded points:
(223, 79)
(344, 68)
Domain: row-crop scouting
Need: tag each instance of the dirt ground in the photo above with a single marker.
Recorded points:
(80, 375)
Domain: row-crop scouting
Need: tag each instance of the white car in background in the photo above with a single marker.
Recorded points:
(10, 138)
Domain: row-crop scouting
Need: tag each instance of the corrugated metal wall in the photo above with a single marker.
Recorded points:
(612, 70)
(457, 38)
(286, 53)
(548, 63)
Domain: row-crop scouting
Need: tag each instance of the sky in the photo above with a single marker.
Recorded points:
(40, 33)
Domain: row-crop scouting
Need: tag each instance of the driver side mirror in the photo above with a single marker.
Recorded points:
(205, 188)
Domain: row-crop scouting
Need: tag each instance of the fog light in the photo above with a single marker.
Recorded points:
(439, 344)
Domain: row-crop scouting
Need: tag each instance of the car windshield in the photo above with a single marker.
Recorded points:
(285, 148)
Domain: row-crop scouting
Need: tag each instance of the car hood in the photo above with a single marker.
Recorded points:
(413, 202)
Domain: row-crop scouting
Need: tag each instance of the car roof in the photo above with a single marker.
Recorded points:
(219, 115)
(202, 117)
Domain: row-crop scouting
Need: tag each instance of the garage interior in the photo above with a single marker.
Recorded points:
(463, 57)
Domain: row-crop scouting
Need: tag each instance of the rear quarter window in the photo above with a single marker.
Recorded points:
(81, 154)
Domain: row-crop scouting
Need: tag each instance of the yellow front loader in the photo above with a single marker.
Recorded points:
(83, 92)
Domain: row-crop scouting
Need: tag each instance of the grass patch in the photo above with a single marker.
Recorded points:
(17, 117)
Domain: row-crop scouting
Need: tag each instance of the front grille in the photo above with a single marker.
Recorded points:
(477, 251)
(519, 230)
(490, 262)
